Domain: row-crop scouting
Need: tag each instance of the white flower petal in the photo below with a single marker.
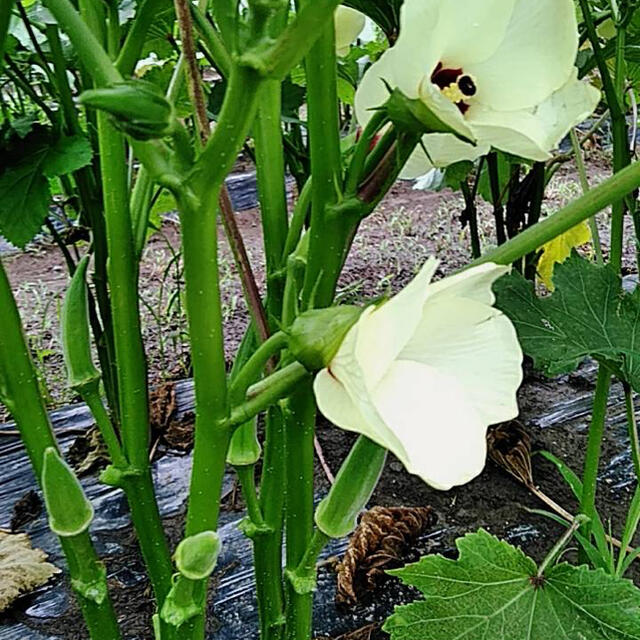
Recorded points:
(533, 133)
(343, 397)
(443, 149)
(478, 346)
(471, 30)
(534, 58)
(474, 284)
(348, 24)
(382, 332)
(372, 91)
(442, 436)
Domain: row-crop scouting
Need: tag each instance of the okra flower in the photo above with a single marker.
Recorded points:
(349, 23)
(425, 373)
(500, 72)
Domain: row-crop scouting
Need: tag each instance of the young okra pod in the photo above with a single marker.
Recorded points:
(76, 341)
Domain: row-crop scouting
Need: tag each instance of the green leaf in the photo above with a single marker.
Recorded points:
(588, 314)
(66, 155)
(24, 203)
(24, 190)
(492, 592)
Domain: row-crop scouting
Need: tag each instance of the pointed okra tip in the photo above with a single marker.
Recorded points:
(70, 512)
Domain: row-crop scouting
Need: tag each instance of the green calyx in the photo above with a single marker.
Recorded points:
(138, 108)
(181, 603)
(76, 342)
(70, 513)
(316, 335)
(94, 590)
(117, 476)
(196, 555)
(415, 117)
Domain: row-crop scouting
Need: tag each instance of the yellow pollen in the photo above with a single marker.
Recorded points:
(453, 93)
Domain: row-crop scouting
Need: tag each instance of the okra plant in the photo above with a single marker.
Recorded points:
(462, 85)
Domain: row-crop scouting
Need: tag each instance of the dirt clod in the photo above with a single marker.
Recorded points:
(379, 542)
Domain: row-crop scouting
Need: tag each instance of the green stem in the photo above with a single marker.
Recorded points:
(584, 183)
(299, 429)
(267, 392)
(298, 218)
(578, 521)
(268, 547)
(213, 41)
(20, 392)
(633, 427)
(246, 475)
(255, 365)
(327, 234)
(130, 358)
(621, 155)
(307, 566)
(91, 395)
(87, 46)
(146, 13)
(267, 132)
(220, 152)
(594, 443)
(589, 204)
(5, 17)
(314, 19)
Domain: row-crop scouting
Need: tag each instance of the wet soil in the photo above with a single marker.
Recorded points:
(408, 227)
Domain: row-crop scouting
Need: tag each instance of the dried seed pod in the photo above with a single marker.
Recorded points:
(509, 446)
(378, 543)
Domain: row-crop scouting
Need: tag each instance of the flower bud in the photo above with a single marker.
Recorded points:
(70, 513)
(76, 343)
(316, 335)
(196, 555)
(139, 108)
(416, 117)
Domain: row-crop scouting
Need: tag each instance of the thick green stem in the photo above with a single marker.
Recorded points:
(300, 418)
(130, 357)
(20, 392)
(267, 132)
(328, 233)
(594, 443)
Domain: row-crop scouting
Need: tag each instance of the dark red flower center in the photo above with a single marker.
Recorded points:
(453, 82)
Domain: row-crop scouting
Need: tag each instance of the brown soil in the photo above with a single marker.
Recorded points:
(407, 227)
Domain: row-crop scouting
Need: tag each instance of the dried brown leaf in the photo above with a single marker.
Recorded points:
(176, 432)
(88, 453)
(378, 543)
(22, 568)
(509, 446)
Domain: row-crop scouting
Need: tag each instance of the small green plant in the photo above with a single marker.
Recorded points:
(495, 591)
